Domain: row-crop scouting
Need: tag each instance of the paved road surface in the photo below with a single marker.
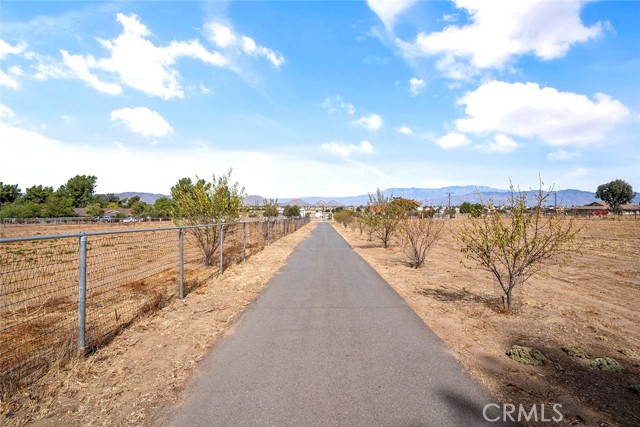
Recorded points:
(329, 343)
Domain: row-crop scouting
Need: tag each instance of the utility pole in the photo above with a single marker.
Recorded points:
(449, 208)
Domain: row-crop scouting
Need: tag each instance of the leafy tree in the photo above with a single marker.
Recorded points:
(138, 207)
(162, 207)
(616, 193)
(20, 210)
(94, 210)
(131, 200)
(58, 206)
(9, 193)
(405, 205)
(344, 217)
(473, 209)
(37, 194)
(515, 246)
(80, 189)
(271, 208)
(205, 202)
(291, 211)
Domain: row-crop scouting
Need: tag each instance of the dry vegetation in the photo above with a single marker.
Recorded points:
(127, 275)
(590, 299)
(145, 366)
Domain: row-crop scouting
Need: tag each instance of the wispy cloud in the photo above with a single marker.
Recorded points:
(416, 86)
(346, 150)
(225, 38)
(372, 122)
(335, 102)
(404, 130)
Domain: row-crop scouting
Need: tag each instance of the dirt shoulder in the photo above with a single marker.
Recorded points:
(591, 300)
(148, 365)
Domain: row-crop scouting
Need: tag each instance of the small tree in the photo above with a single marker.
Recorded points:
(291, 211)
(9, 193)
(202, 203)
(271, 208)
(344, 217)
(94, 210)
(138, 207)
(80, 189)
(417, 237)
(384, 216)
(616, 193)
(473, 209)
(515, 246)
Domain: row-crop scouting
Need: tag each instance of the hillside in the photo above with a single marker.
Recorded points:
(149, 198)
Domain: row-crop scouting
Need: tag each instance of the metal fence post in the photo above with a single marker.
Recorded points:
(82, 294)
(221, 245)
(244, 241)
(181, 248)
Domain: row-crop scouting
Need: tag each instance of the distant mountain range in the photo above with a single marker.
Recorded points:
(144, 197)
(458, 195)
(426, 196)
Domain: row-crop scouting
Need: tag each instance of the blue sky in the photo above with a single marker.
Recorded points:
(323, 98)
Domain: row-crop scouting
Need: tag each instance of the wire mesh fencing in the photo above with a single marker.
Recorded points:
(69, 293)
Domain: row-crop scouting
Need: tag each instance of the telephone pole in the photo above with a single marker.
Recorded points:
(449, 208)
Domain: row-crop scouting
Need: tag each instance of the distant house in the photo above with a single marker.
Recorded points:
(107, 213)
(602, 208)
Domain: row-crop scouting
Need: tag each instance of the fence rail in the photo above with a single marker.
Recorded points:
(67, 293)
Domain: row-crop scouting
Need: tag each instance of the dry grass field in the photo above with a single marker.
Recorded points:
(146, 366)
(127, 274)
(590, 299)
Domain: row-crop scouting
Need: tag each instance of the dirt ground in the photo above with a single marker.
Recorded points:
(147, 365)
(590, 299)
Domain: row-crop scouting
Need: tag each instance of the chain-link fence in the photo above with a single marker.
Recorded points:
(68, 293)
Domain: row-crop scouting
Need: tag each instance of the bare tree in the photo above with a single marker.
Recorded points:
(518, 242)
(417, 237)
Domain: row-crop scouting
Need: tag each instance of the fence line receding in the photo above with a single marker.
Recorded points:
(64, 293)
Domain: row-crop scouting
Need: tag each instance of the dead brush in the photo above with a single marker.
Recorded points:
(417, 237)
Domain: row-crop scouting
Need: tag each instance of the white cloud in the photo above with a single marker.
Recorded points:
(404, 130)
(221, 35)
(372, 122)
(250, 47)
(332, 103)
(268, 174)
(5, 112)
(500, 31)
(452, 140)
(528, 111)
(345, 150)
(224, 37)
(79, 66)
(500, 144)
(136, 62)
(389, 10)
(8, 81)
(416, 85)
(562, 155)
(142, 121)
(7, 49)
(577, 172)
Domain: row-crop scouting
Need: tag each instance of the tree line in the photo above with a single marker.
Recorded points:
(41, 201)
